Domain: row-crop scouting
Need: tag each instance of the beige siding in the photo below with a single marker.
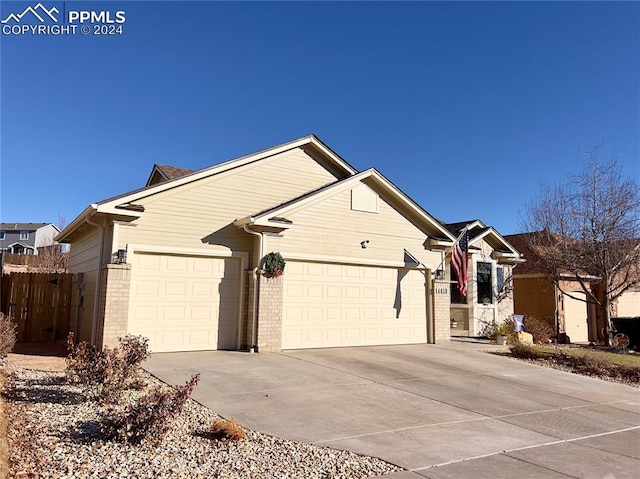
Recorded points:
(195, 215)
(83, 258)
(330, 229)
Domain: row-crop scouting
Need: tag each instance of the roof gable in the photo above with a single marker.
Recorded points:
(478, 231)
(276, 216)
(311, 145)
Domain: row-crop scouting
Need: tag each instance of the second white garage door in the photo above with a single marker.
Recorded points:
(185, 303)
(332, 305)
(575, 317)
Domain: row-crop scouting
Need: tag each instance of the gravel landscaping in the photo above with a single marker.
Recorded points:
(53, 433)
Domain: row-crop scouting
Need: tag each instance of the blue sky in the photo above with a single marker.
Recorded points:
(467, 107)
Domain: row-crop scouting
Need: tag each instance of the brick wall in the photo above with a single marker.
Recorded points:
(114, 304)
(441, 312)
(269, 314)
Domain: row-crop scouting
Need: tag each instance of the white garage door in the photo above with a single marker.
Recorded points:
(629, 305)
(575, 317)
(185, 303)
(329, 305)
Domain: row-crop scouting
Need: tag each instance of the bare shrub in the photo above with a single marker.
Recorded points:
(8, 335)
(105, 374)
(148, 418)
(223, 429)
(541, 329)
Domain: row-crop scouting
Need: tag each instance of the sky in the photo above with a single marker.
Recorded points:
(468, 107)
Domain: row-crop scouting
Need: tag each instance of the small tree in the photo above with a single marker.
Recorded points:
(588, 230)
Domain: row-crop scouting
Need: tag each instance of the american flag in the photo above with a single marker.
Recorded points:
(459, 260)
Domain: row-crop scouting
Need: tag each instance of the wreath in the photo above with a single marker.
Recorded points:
(273, 265)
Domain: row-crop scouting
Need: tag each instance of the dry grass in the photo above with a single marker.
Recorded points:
(606, 357)
(613, 366)
(223, 429)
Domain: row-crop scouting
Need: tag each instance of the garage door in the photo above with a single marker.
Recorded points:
(329, 305)
(185, 303)
(575, 318)
(629, 305)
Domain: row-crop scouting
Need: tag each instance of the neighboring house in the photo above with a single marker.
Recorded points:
(359, 256)
(489, 299)
(535, 295)
(26, 238)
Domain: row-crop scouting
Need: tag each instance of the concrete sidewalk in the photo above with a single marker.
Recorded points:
(437, 411)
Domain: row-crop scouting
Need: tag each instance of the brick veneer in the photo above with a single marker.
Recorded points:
(114, 304)
(269, 314)
(442, 312)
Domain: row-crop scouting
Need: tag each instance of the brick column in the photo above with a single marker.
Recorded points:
(269, 314)
(442, 311)
(114, 304)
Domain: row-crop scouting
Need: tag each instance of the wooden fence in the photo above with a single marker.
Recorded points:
(40, 304)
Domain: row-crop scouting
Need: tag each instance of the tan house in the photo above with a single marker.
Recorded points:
(489, 299)
(178, 260)
(568, 312)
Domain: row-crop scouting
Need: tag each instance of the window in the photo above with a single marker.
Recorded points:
(24, 235)
(1, 235)
(484, 283)
(500, 278)
(456, 297)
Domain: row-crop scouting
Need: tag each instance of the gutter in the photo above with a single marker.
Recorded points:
(254, 318)
(96, 300)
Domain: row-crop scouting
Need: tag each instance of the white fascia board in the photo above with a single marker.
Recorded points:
(316, 258)
(76, 223)
(218, 252)
(438, 243)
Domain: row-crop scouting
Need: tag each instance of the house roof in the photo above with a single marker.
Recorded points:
(24, 226)
(477, 230)
(274, 216)
(109, 206)
(521, 242)
(167, 172)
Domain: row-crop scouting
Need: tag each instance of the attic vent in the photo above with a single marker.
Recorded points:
(364, 199)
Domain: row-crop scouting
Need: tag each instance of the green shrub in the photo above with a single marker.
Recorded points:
(149, 417)
(105, 374)
(8, 335)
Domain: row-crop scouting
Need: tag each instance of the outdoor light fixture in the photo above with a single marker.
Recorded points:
(119, 257)
(438, 274)
(364, 244)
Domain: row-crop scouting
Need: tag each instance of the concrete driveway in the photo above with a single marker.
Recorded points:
(438, 411)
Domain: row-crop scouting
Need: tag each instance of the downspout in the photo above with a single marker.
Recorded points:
(96, 299)
(254, 318)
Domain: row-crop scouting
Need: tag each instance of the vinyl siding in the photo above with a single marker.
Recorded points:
(331, 229)
(201, 213)
(83, 258)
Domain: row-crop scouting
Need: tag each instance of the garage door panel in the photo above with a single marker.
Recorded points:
(184, 303)
(355, 307)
